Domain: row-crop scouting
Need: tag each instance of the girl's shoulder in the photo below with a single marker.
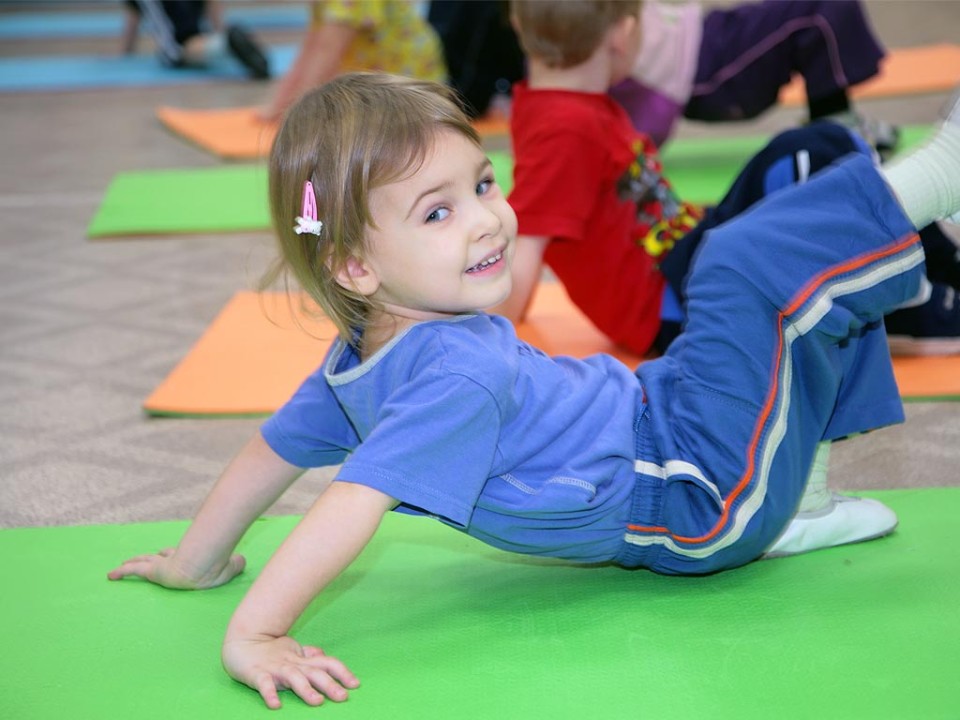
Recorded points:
(466, 342)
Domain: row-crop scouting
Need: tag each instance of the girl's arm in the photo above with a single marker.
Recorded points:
(256, 649)
(526, 270)
(317, 62)
(251, 483)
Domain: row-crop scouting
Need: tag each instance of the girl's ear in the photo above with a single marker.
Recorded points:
(358, 276)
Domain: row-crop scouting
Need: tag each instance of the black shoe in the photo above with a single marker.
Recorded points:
(932, 328)
(248, 52)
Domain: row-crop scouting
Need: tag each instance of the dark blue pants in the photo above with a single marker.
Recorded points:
(790, 158)
(749, 52)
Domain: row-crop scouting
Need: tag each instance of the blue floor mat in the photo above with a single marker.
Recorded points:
(83, 72)
(109, 23)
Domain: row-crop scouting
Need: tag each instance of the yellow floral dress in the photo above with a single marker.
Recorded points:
(393, 36)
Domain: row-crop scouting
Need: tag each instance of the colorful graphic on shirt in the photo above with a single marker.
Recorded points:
(662, 218)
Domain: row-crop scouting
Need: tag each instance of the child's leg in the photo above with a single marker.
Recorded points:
(783, 319)
(751, 51)
(791, 157)
(173, 26)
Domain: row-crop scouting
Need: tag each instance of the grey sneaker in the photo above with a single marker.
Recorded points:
(882, 136)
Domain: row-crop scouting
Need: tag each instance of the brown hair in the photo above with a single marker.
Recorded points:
(564, 33)
(354, 134)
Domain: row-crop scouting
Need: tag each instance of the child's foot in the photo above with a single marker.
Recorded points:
(247, 52)
(931, 328)
(842, 521)
(825, 519)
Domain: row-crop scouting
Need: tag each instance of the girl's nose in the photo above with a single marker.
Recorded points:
(486, 221)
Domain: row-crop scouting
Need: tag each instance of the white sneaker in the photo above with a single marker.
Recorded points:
(842, 521)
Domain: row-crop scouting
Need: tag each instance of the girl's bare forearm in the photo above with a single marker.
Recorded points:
(327, 540)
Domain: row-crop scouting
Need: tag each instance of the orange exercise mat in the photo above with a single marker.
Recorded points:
(905, 71)
(238, 134)
(253, 356)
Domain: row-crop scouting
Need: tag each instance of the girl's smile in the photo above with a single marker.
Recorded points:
(491, 264)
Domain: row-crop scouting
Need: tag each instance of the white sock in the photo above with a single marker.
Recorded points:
(927, 180)
(816, 496)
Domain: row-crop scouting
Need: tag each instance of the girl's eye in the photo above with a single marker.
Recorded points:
(484, 185)
(438, 215)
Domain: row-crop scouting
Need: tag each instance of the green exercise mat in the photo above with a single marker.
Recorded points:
(234, 197)
(703, 169)
(438, 626)
(229, 198)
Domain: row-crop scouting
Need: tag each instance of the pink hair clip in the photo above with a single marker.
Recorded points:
(307, 221)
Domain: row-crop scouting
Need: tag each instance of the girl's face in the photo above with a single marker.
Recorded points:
(444, 238)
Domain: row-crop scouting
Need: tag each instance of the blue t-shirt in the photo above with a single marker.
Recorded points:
(461, 420)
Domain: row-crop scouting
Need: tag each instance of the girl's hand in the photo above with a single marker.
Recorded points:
(163, 569)
(268, 664)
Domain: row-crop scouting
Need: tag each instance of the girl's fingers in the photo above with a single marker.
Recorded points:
(306, 686)
(138, 565)
(267, 688)
(134, 567)
(322, 681)
(336, 669)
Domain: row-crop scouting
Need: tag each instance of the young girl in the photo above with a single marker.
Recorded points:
(388, 215)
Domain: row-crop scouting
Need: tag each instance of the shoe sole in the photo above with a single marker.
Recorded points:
(904, 345)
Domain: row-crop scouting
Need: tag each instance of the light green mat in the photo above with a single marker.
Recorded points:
(229, 198)
(234, 197)
(439, 626)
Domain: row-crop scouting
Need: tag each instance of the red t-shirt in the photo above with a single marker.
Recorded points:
(585, 178)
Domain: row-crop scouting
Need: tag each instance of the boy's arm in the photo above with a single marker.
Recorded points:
(257, 650)
(251, 483)
(526, 270)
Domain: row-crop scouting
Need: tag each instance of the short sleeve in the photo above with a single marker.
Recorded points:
(311, 429)
(555, 186)
(432, 447)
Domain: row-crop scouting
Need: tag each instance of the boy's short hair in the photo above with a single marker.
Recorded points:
(564, 33)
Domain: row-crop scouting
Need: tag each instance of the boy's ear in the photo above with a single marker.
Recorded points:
(623, 32)
(358, 276)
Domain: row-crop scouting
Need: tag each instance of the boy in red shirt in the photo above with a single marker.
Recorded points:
(594, 206)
